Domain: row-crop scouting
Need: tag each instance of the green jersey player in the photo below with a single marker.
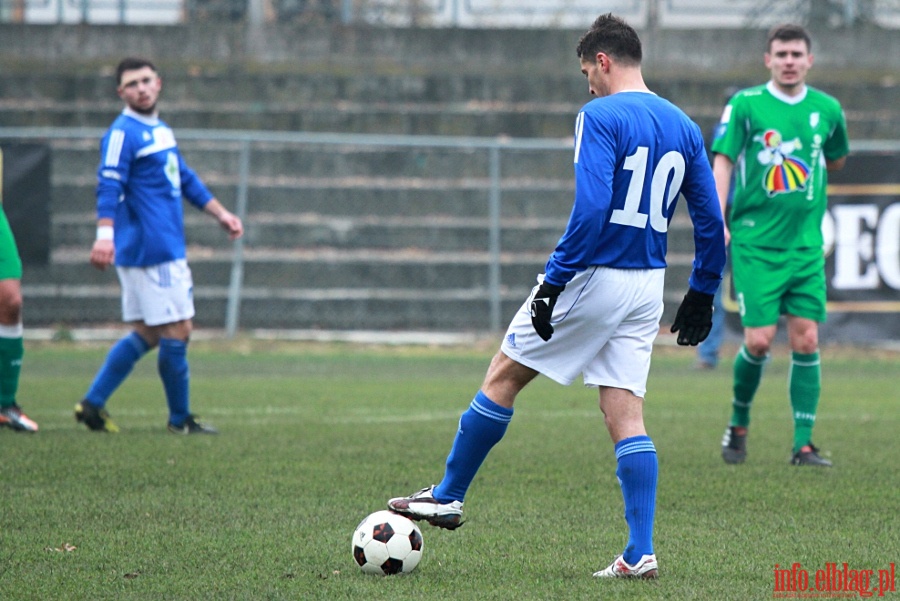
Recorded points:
(779, 140)
(11, 330)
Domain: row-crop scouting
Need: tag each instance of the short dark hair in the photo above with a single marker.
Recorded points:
(613, 36)
(788, 32)
(131, 63)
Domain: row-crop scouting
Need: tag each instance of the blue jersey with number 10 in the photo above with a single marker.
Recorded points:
(634, 154)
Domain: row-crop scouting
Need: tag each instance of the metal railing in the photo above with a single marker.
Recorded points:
(246, 140)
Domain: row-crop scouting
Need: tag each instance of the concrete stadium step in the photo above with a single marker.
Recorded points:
(352, 197)
(79, 158)
(198, 86)
(317, 268)
(523, 120)
(464, 310)
(309, 230)
(464, 119)
(327, 268)
(328, 84)
(312, 230)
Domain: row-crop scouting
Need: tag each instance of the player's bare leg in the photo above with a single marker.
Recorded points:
(505, 379)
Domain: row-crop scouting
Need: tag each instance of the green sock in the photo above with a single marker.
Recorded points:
(11, 352)
(747, 374)
(804, 385)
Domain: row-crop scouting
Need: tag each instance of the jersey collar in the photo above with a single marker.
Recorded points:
(784, 97)
(145, 119)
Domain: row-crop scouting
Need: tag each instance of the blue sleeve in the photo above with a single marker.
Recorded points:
(594, 154)
(116, 155)
(192, 188)
(699, 190)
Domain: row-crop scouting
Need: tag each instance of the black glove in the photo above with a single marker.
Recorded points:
(693, 321)
(542, 304)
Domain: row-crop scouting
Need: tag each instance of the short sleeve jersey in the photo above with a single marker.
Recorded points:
(779, 146)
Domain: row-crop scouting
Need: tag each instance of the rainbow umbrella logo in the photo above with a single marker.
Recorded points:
(786, 173)
(789, 176)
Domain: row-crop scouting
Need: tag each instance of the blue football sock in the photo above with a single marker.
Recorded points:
(637, 473)
(176, 376)
(481, 426)
(120, 360)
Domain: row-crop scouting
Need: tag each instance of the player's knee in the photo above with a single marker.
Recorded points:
(11, 308)
(758, 348)
(758, 344)
(804, 337)
(806, 344)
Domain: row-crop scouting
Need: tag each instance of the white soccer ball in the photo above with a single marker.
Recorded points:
(387, 543)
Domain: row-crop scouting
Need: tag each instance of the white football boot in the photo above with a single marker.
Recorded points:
(645, 568)
(423, 506)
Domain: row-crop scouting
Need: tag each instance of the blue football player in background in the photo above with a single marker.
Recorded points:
(597, 307)
(141, 182)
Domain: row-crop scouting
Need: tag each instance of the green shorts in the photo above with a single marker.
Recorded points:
(771, 282)
(10, 263)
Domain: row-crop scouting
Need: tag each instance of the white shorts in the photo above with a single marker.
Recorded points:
(605, 322)
(157, 295)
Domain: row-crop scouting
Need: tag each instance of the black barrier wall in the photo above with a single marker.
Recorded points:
(26, 198)
(862, 251)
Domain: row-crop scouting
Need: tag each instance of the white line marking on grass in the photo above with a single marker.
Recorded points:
(387, 415)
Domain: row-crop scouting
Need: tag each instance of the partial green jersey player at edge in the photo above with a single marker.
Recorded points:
(779, 141)
(12, 348)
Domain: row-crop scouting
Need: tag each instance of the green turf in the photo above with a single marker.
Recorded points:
(316, 437)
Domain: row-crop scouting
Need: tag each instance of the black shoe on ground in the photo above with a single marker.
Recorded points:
(809, 455)
(734, 445)
(192, 426)
(94, 418)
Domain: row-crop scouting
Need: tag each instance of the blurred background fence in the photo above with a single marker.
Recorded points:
(402, 233)
(405, 165)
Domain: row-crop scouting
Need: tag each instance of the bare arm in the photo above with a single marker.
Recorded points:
(228, 220)
(723, 169)
(103, 252)
(835, 165)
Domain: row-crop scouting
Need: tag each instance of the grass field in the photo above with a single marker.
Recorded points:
(315, 437)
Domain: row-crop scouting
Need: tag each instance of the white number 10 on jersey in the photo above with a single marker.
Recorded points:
(671, 165)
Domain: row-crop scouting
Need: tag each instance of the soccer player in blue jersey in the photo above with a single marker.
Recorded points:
(141, 182)
(597, 307)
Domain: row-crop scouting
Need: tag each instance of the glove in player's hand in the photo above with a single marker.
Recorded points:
(693, 321)
(542, 304)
